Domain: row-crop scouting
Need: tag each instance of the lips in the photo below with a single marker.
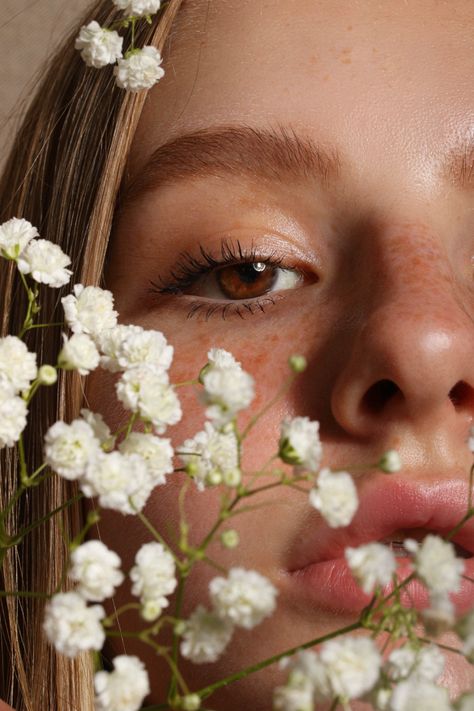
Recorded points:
(390, 510)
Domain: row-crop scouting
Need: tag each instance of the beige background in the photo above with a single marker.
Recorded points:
(29, 29)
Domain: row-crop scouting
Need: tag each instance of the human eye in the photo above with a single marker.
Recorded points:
(238, 280)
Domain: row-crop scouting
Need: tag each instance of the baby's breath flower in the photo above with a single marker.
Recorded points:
(96, 569)
(210, 455)
(371, 565)
(14, 236)
(47, 375)
(138, 7)
(390, 462)
(98, 45)
(352, 665)
(124, 688)
(79, 353)
(147, 391)
(230, 538)
(99, 427)
(89, 310)
(127, 346)
(17, 363)
(153, 577)
(298, 363)
(45, 262)
(296, 695)
(420, 695)
(335, 496)
(227, 390)
(205, 636)
(140, 70)
(429, 663)
(72, 626)
(244, 598)
(306, 664)
(436, 564)
(157, 453)
(122, 482)
(300, 443)
(465, 702)
(13, 412)
(70, 448)
(400, 662)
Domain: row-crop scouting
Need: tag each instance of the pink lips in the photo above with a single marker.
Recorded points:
(389, 508)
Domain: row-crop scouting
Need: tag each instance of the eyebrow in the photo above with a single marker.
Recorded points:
(276, 154)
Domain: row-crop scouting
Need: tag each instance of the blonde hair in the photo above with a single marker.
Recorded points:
(63, 175)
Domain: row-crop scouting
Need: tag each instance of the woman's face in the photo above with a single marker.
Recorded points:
(335, 135)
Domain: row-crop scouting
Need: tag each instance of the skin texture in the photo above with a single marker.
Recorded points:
(387, 252)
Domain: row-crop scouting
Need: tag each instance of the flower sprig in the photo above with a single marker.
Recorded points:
(121, 469)
(136, 68)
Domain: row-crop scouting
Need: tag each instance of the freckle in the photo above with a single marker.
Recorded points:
(346, 61)
(326, 77)
(349, 28)
(313, 59)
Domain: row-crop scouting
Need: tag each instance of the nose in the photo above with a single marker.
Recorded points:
(410, 360)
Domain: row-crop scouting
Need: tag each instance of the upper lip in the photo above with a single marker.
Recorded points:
(389, 507)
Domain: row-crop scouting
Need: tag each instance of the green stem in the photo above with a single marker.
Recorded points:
(446, 648)
(109, 621)
(157, 536)
(469, 514)
(175, 644)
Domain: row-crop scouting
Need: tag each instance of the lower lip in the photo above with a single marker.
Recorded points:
(330, 586)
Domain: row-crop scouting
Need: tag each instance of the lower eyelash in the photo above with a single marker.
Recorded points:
(226, 310)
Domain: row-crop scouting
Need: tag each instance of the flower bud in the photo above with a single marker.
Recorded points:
(232, 477)
(297, 363)
(230, 538)
(390, 462)
(191, 702)
(47, 375)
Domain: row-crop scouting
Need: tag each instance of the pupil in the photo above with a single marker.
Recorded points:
(246, 281)
(249, 273)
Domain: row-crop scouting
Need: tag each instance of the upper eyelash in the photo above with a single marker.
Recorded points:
(189, 268)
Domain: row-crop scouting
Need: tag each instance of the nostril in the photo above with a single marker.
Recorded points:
(461, 394)
(379, 394)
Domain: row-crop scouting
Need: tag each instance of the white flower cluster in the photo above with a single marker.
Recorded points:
(212, 457)
(243, 599)
(17, 370)
(335, 497)
(124, 688)
(372, 565)
(44, 261)
(300, 444)
(346, 669)
(153, 577)
(228, 389)
(96, 570)
(99, 47)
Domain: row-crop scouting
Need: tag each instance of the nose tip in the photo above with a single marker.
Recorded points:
(409, 364)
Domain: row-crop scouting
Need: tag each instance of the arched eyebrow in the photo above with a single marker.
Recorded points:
(278, 154)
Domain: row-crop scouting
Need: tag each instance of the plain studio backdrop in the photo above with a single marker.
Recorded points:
(29, 32)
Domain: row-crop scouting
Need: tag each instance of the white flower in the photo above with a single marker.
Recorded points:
(420, 695)
(335, 496)
(123, 689)
(124, 347)
(98, 45)
(138, 7)
(400, 662)
(205, 636)
(13, 412)
(425, 664)
(14, 236)
(72, 626)
(69, 448)
(122, 482)
(47, 375)
(89, 310)
(99, 427)
(216, 456)
(153, 577)
(297, 695)
(141, 70)
(308, 665)
(97, 570)
(147, 391)
(371, 565)
(17, 364)
(300, 443)
(227, 388)
(465, 703)
(390, 462)
(429, 664)
(436, 564)
(46, 262)
(244, 598)
(352, 665)
(156, 451)
(79, 353)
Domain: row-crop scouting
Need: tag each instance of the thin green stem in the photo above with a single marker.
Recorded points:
(109, 621)
(469, 514)
(157, 536)
(446, 648)
(175, 643)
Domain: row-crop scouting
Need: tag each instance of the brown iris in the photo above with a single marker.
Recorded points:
(246, 281)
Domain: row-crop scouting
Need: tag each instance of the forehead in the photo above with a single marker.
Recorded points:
(389, 84)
